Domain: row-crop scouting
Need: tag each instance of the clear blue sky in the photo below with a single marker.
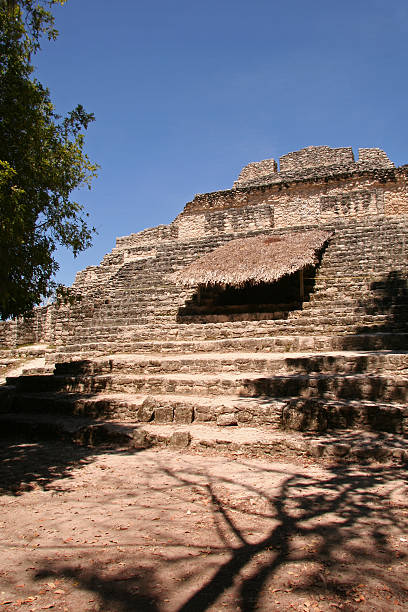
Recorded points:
(186, 93)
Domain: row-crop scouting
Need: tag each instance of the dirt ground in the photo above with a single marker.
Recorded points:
(87, 529)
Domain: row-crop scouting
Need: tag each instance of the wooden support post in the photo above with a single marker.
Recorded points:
(301, 285)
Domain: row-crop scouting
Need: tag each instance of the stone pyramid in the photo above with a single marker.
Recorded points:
(270, 317)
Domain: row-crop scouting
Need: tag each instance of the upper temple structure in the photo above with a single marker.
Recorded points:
(306, 256)
(132, 295)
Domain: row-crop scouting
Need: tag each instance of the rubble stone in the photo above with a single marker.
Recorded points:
(180, 439)
(226, 420)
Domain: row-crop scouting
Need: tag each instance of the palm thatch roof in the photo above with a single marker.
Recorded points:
(255, 260)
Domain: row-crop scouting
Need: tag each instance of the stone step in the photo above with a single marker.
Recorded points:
(353, 305)
(361, 269)
(345, 446)
(333, 321)
(332, 289)
(300, 343)
(297, 322)
(159, 408)
(250, 384)
(352, 446)
(208, 331)
(135, 335)
(267, 363)
(78, 430)
(28, 351)
(295, 414)
(342, 297)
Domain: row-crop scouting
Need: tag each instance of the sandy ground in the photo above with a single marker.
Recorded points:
(117, 530)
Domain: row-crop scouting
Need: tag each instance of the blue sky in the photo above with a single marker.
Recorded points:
(186, 93)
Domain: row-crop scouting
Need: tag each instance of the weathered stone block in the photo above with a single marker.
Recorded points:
(400, 453)
(163, 414)
(140, 439)
(338, 449)
(256, 170)
(227, 420)
(317, 449)
(244, 416)
(180, 439)
(304, 414)
(183, 414)
(202, 415)
(146, 411)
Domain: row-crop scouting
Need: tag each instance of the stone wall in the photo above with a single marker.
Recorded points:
(256, 170)
(288, 203)
(8, 333)
(313, 163)
(313, 157)
(33, 329)
(318, 157)
(316, 204)
(396, 195)
(232, 220)
(374, 158)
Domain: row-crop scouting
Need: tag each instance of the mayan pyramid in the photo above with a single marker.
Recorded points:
(275, 309)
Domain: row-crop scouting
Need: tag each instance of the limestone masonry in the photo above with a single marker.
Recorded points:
(315, 187)
(199, 353)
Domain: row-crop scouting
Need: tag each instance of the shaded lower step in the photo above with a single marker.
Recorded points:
(227, 410)
(321, 415)
(77, 430)
(292, 414)
(347, 446)
(374, 387)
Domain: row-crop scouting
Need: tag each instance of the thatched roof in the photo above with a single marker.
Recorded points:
(255, 260)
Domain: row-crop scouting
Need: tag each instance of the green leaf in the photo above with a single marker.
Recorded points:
(41, 163)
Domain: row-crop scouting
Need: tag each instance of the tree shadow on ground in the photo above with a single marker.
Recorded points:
(117, 593)
(326, 517)
(335, 532)
(28, 462)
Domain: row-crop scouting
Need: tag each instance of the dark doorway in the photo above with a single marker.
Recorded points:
(212, 303)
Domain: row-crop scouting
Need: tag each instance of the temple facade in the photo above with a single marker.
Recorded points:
(362, 204)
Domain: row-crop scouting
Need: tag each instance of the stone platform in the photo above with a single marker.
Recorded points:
(338, 405)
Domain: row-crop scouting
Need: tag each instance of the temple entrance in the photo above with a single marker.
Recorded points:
(260, 277)
(216, 302)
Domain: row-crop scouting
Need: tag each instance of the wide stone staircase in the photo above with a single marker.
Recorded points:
(348, 405)
(328, 381)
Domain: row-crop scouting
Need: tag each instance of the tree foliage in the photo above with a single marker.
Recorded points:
(41, 163)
